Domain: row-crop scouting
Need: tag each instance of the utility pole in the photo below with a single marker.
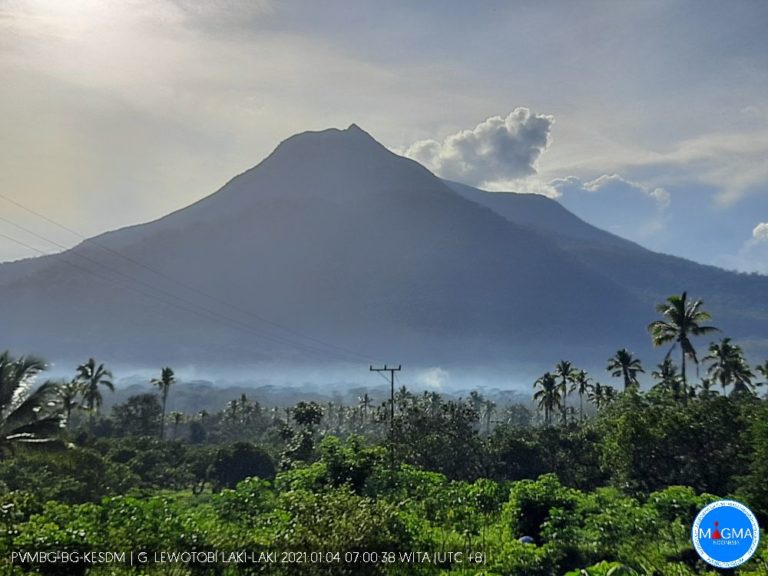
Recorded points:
(391, 410)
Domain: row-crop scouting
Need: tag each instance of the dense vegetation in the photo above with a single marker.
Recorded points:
(597, 480)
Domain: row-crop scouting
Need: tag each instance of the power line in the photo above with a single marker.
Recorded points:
(87, 271)
(203, 312)
(24, 244)
(178, 282)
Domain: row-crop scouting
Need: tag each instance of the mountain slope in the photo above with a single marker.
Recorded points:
(334, 244)
(739, 302)
(331, 235)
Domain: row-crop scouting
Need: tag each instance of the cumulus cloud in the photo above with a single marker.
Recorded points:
(760, 233)
(616, 185)
(753, 254)
(498, 149)
(612, 187)
(614, 203)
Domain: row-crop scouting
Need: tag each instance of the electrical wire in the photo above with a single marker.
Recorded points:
(178, 282)
(163, 295)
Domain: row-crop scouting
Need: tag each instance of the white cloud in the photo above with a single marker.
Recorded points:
(732, 163)
(612, 202)
(662, 197)
(760, 233)
(753, 254)
(493, 154)
(530, 185)
(433, 378)
(615, 186)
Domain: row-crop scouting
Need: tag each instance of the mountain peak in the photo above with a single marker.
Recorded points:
(351, 136)
(354, 128)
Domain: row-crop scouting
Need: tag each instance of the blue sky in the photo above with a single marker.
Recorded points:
(649, 119)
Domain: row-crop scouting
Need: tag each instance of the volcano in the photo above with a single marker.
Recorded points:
(335, 249)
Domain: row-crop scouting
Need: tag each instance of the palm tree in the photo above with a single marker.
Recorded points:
(705, 388)
(328, 413)
(597, 396)
(581, 384)
(624, 365)
(402, 398)
(232, 411)
(177, 418)
(475, 400)
(763, 369)
(431, 403)
(91, 377)
(564, 370)
(682, 319)
(365, 402)
(167, 378)
(669, 379)
(67, 393)
(729, 366)
(548, 397)
(26, 419)
(489, 409)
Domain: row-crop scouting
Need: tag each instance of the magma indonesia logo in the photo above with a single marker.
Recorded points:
(725, 534)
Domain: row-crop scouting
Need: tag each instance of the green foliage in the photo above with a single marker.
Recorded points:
(242, 460)
(307, 414)
(246, 502)
(27, 418)
(439, 435)
(531, 502)
(74, 476)
(349, 463)
(140, 415)
(341, 521)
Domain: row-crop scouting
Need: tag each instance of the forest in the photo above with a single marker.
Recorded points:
(588, 479)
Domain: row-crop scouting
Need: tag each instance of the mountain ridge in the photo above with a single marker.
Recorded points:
(334, 235)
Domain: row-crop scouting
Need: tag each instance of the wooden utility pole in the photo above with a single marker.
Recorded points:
(391, 409)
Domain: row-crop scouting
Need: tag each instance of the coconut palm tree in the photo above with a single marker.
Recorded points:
(431, 403)
(669, 379)
(763, 369)
(548, 396)
(330, 406)
(597, 396)
(728, 366)
(682, 319)
(623, 364)
(176, 418)
(232, 411)
(564, 370)
(581, 384)
(26, 418)
(475, 400)
(164, 383)
(705, 388)
(68, 393)
(402, 398)
(489, 409)
(91, 377)
(364, 401)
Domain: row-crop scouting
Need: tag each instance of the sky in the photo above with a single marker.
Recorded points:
(648, 119)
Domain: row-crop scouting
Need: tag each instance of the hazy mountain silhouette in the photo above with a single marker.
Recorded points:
(335, 237)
